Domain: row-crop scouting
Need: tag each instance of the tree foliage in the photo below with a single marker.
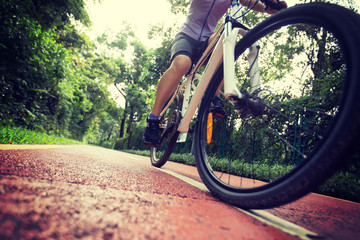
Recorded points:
(179, 6)
(46, 83)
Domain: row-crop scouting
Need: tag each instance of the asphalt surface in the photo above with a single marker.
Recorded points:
(85, 192)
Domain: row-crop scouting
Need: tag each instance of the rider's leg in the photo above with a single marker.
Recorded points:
(169, 81)
(166, 87)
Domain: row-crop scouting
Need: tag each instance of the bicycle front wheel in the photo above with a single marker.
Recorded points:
(285, 138)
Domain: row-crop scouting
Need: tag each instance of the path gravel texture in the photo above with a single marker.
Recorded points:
(84, 192)
(87, 192)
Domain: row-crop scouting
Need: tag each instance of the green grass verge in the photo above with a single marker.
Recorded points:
(342, 185)
(15, 135)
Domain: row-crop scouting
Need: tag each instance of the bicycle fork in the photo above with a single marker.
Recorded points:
(230, 89)
(247, 104)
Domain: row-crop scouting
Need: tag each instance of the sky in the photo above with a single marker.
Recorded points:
(141, 14)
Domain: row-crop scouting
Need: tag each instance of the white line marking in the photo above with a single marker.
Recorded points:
(191, 181)
(281, 224)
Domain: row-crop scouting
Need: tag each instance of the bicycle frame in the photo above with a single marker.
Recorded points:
(221, 47)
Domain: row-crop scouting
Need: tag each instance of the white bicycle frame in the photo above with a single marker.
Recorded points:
(225, 40)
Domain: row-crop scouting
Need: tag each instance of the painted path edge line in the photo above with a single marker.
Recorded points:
(281, 224)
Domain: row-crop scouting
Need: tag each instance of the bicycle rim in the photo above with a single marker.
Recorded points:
(293, 131)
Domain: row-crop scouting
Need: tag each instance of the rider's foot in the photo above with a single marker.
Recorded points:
(217, 107)
(152, 133)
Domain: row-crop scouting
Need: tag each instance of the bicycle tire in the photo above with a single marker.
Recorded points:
(160, 161)
(160, 155)
(325, 151)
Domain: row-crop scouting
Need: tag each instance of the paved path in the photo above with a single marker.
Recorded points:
(84, 192)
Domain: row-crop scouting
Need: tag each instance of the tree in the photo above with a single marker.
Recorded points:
(159, 58)
(48, 14)
(127, 76)
(179, 6)
(135, 89)
(46, 82)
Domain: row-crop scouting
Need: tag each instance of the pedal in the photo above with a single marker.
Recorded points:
(181, 138)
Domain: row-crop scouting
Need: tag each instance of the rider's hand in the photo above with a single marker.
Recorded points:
(272, 11)
(261, 7)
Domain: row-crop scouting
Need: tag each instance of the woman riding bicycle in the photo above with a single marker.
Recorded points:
(186, 49)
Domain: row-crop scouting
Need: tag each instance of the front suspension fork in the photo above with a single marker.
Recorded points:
(230, 88)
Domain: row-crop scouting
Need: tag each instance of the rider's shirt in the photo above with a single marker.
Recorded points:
(203, 17)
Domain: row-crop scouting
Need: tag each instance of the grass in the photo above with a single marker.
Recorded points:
(342, 185)
(16, 135)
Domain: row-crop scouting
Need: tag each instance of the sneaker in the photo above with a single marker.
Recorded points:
(217, 107)
(152, 133)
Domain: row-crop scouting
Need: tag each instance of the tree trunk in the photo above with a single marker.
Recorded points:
(122, 126)
(129, 130)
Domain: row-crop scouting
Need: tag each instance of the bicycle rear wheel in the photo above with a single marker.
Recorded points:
(169, 122)
(291, 134)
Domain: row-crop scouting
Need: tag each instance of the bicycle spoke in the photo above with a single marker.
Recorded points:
(275, 133)
(290, 126)
(294, 120)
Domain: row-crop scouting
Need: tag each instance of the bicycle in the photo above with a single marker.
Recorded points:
(291, 121)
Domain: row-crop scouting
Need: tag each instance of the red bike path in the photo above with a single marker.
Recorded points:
(86, 192)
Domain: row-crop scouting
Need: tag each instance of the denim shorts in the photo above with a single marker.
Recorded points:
(185, 45)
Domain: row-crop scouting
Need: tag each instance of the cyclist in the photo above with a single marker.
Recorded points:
(186, 49)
